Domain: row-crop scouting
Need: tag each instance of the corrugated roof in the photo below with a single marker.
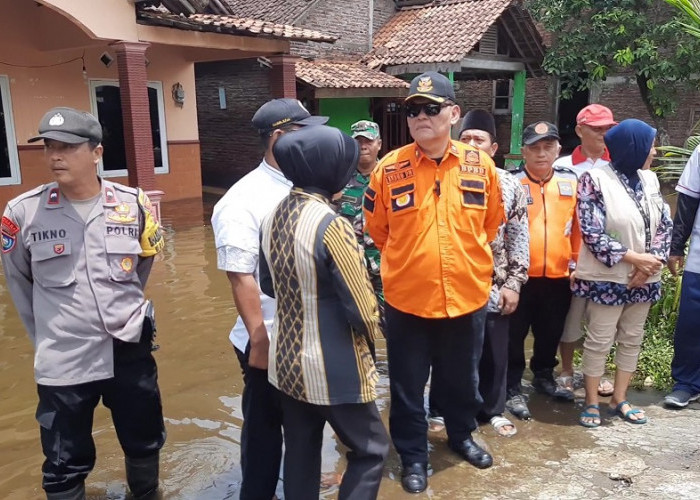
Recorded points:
(441, 32)
(322, 73)
(231, 25)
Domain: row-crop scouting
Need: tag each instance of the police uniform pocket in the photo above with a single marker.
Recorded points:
(52, 265)
(403, 199)
(473, 193)
(122, 254)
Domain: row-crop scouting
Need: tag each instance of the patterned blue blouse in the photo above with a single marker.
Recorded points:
(609, 251)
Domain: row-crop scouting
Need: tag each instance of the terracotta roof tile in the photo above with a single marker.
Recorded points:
(441, 32)
(344, 74)
(231, 25)
(284, 12)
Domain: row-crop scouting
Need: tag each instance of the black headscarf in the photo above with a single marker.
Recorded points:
(319, 159)
(629, 144)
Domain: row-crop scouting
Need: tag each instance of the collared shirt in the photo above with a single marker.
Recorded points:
(580, 163)
(432, 222)
(327, 316)
(236, 221)
(511, 248)
(77, 284)
(689, 184)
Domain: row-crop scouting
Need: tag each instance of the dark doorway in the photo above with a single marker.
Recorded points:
(391, 117)
(568, 109)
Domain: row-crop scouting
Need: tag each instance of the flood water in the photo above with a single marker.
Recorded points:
(201, 385)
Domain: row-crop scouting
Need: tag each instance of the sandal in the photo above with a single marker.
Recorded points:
(627, 415)
(499, 422)
(586, 414)
(605, 388)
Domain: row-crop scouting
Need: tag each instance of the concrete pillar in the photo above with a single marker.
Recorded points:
(131, 63)
(283, 80)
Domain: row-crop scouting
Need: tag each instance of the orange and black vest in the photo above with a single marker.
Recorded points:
(555, 237)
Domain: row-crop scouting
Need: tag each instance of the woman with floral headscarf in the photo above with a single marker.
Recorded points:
(626, 229)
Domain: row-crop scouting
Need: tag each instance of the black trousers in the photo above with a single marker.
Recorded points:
(358, 426)
(412, 344)
(544, 303)
(65, 416)
(261, 433)
(493, 368)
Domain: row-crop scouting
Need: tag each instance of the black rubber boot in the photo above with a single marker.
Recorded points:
(142, 477)
(77, 492)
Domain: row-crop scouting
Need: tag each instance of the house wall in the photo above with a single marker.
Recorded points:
(348, 20)
(55, 82)
(344, 112)
(540, 95)
(621, 95)
(230, 146)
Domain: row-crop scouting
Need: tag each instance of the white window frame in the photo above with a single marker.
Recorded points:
(158, 86)
(510, 99)
(15, 174)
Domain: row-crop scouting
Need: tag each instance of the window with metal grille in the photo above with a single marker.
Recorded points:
(9, 160)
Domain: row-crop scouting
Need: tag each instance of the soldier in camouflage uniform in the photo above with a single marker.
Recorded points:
(366, 133)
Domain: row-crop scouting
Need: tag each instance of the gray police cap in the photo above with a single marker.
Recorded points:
(70, 126)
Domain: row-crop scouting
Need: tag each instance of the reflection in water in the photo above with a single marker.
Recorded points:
(201, 384)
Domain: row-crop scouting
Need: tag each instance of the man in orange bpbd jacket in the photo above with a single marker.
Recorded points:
(431, 208)
(554, 242)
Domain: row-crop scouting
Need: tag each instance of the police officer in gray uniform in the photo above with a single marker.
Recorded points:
(77, 253)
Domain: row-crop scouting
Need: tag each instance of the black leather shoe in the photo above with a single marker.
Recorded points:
(414, 477)
(472, 453)
(517, 405)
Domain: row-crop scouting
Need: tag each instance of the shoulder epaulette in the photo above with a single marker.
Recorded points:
(37, 191)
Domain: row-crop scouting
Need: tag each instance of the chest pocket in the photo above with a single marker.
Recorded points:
(52, 265)
(473, 193)
(122, 256)
(403, 199)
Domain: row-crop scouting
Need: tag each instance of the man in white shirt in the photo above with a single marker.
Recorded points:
(236, 221)
(591, 124)
(685, 368)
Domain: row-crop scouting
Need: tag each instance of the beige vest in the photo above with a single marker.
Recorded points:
(623, 222)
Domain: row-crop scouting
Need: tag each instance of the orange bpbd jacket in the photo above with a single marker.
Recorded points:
(432, 224)
(555, 236)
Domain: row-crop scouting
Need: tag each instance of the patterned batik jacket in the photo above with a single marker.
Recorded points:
(511, 248)
(326, 319)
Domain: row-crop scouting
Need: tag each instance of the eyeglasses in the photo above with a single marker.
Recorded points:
(429, 108)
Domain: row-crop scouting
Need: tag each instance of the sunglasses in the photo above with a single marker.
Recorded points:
(429, 108)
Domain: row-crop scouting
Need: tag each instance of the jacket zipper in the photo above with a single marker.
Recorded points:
(544, 210)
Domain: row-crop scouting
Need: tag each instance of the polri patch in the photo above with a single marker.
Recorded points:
(127, 264)
(59, 248)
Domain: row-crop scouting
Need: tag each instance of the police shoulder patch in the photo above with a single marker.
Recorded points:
(152, 240)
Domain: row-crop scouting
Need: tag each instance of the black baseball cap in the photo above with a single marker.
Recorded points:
(69, 125)
(479, 119)
(432, 85)
(280, 112)
(539, 130)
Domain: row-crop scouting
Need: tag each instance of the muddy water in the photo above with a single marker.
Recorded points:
(201, 385)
